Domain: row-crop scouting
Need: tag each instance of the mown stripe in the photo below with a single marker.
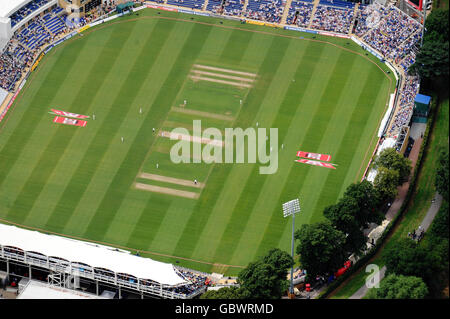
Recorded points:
(174, 238)
(236, 46)
(332, 93)
(30, 119)
(301, 114)
(125, 176)
(190, 236)
(153, 214)
(55, 149)
(348, 147)
(86, 169)
(242, 211)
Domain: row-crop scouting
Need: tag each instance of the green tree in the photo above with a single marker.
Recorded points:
(266, 277)
(343, 217)
(353, 212)
(223, 293)
(399, 287)
(437, 26)
(392, 160)
(432, 60)
(441, 180)
(321, 248)
(386, 183)
(410, 259)
(368, 200)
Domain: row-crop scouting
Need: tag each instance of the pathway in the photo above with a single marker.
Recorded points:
(426, 222)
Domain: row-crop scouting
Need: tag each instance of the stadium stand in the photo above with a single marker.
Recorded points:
(300, 13)
(26, 10)
(385, 29)
(193, 4)
(405, 106)
(265, 10)
(98, 263)
(334, 19)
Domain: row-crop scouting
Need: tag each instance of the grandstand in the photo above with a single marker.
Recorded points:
(67, 259)
(265, 10)
(28, 26)
(300, 13)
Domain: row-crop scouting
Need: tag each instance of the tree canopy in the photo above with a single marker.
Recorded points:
(353, 212)
(321, 248)
(392, 160)
(441, 180)
(223, 293)
(410, 259)
(386, 183)
(399, 287)
(266, 277)
(432, 60)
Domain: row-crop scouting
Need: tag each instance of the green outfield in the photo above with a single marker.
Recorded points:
(324, 95)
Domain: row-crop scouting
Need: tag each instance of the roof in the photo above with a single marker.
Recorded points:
(94, 255)
(38, 290)
(8, 7)
(423, 99)
(387, 143)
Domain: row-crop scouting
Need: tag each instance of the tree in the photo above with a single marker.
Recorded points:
(441, 181)
(266, 277)
(223, 293)
(390, 159)
(386, 183)
(437, 26)
(410, 259)
(399, 287)
(432, 60)
(368, 200)
(343, 216)
(321, 248)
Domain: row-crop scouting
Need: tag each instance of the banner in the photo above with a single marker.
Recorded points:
(331, 34)
(37, 62)
(63, 113)
(320, 157)
(315, 163)
(84, 28)
(300, 29)
(67, 121)
(255, 22)
(273, 25)
(162, 8)
(48, 48)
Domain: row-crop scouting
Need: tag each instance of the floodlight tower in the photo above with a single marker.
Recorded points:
(291, 208)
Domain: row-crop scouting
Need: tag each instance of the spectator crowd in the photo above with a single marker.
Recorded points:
(388, 30)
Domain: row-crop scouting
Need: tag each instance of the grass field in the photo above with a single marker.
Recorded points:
(324, 95)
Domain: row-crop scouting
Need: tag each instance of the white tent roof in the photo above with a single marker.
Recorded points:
(7, 7)
(38, 290)
(90, 254)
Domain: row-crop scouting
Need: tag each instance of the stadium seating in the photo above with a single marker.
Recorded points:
(304, 9)
(26, 10)
(333, 19)
(386, 29)
(193, 4)
(265, 10)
